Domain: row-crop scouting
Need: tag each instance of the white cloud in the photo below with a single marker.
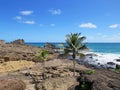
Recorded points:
(114, 26)
(27, 12)
(55, 12)
(47, 25)
(18, 18)
(29, 22)
(87, 25)
(52, 25)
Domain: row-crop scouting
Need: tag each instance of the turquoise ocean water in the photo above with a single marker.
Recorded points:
(94, 47)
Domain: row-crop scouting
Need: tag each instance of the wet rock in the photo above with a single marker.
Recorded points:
(91, 54)
(118, 60)
(117, 66)
(98, 63)
(96, 60)
(111, 63)
(91, 57)
(102, 66)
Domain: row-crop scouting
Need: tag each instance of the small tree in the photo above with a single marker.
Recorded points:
(42, 57)
(74, 45)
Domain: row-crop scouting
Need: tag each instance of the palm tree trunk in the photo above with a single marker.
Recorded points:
(74, 67)
(43, 74)
(74, 55)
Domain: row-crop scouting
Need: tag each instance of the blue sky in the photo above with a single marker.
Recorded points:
(51, 20)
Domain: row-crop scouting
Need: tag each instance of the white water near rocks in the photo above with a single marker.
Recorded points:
(101, 59)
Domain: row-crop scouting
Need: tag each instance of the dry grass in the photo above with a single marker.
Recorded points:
(11, 84)
(15, 65)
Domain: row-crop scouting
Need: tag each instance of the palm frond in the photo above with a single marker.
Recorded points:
(75, 41)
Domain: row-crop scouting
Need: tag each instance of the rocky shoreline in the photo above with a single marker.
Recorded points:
(58, 72)
(100, 60)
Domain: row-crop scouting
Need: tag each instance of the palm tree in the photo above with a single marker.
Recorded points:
(74, 45)
(42, 57)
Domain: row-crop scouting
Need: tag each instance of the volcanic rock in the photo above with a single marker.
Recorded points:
(50, 47)
(2, 42)
(19, 41)
(118, 60)
(17, 50)
(117, 66)
(110, 63)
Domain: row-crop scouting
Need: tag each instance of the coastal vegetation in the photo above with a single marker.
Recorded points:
(90, 72)
(74, 45)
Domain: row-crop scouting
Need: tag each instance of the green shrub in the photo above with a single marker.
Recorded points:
(85, 86)
(90, 72)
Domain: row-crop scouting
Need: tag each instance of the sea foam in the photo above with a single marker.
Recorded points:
(106, 60)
